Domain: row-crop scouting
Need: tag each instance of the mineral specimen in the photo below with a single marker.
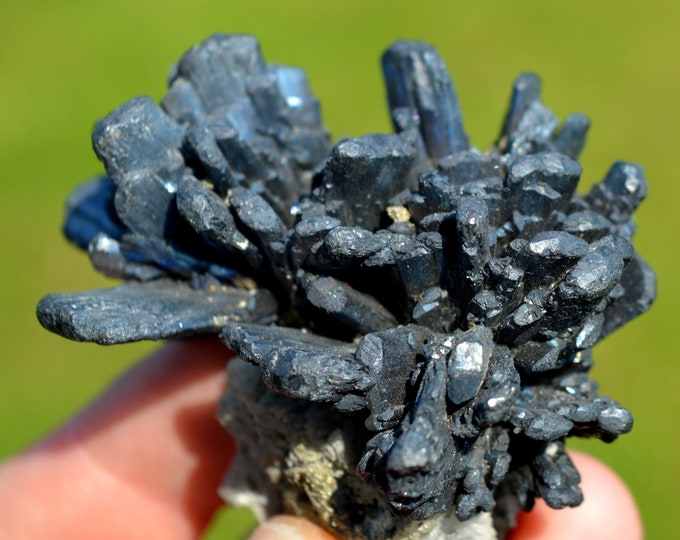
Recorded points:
(439, 300)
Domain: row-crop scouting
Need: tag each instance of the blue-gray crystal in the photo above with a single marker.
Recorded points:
(572, 136)
(474, 250)
(557, 171)
(615, 419)
(556, 477)
(157, 309)
(210, 217)
(434, 310)
(145, 203)
(109, 257)
(139, 137)
(639, 283)
(358, 310)
(362, 175)
(525, 91)
(467, 364)
(620, 193)
(587, 224)
(219, 67)
(383, 354)
(439, 193)
(442, 300)
(202, 145)
(417, 79)
(257, 217)
(470, 165)
(299, 364)
(418, 465)
(90, 211)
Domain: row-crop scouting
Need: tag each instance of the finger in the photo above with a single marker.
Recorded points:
(608, 511)
(290, 528)
(143, 461)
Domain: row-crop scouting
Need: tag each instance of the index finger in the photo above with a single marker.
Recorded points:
(144, 460)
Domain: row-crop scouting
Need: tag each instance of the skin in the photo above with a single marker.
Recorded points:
(144, 461)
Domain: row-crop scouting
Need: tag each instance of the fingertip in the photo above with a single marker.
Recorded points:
(289, 528)
(608, 512)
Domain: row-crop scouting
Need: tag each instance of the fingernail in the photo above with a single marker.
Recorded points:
(275, 531)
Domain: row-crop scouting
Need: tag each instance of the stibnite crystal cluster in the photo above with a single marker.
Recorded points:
(423, 311)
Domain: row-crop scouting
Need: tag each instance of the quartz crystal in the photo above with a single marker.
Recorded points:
(440, 300)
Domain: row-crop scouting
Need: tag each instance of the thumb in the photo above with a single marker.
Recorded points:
(290, 528)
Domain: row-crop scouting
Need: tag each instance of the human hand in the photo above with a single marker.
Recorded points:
(145, 459)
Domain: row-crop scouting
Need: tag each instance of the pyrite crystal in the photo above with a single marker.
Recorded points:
(431, 305)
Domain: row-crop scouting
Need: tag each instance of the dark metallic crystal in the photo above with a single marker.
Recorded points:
(445, 298)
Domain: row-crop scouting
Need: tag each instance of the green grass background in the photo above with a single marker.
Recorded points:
(65, 64)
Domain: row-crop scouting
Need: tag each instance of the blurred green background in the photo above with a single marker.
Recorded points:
(65, 64)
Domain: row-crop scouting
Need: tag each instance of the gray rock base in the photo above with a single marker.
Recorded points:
(299, 458)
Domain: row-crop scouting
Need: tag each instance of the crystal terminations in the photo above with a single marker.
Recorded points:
(444, 299)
